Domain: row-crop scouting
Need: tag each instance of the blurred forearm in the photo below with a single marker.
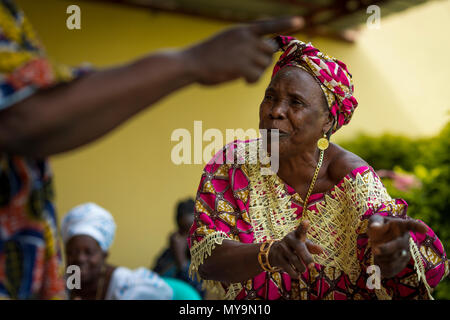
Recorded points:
(67, 116)
(232, 262)
(70, 115)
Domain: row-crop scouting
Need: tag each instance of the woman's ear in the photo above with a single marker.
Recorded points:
(328, 125)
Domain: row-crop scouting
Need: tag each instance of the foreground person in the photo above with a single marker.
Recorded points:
(324, 223)
(88, 231)
(47, 109)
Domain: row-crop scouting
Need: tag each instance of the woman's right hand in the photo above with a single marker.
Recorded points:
(293, 253)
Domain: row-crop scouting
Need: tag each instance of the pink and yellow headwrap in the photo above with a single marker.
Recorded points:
(332, 75)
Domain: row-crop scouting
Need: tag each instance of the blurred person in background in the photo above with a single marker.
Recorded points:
(88, 231)
(175, 260)
(47, 109)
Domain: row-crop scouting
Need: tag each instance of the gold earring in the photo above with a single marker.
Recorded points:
(323, 143)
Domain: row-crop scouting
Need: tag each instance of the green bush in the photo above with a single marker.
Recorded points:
(428, 159)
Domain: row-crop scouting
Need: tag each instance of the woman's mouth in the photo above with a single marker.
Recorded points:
(274, 132)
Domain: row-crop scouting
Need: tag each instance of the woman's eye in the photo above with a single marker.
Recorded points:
(297, 102)
(268, 97)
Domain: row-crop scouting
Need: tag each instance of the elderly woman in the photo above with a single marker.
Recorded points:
(323, 226)
(88, 231)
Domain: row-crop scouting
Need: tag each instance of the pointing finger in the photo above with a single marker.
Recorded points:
(262, 60)
(313, 248)
(377, 228)
(277, 25)
(289, 263)
(253, 73)
(268, 46)
(301, 230)
(305, 255)
(376, 221)
(392, 247)
(410, 225)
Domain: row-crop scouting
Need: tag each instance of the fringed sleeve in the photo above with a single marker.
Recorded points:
(428, 264)
(218, 216)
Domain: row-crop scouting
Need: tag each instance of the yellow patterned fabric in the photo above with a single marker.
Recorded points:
(24, 65)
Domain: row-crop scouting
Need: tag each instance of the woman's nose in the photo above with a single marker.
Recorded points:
(278, 110)
(79, 258)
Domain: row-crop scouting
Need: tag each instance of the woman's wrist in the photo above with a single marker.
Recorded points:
(264, 256)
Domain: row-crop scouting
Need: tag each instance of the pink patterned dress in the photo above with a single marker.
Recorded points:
(236, 202)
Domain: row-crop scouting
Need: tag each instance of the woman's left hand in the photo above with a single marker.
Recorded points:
(389, 237)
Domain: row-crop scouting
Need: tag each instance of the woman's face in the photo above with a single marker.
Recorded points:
(295, 105)
(85, 252)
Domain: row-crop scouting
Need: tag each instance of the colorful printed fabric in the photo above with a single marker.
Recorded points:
(235, 202)
(30, 255)
(24, 67)
(331, 74)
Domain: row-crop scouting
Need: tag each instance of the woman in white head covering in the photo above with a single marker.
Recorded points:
(88, 231)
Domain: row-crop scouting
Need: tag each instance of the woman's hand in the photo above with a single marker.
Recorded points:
(293, 253)
(389, 237)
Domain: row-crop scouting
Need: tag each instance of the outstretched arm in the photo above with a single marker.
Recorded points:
(69, 115)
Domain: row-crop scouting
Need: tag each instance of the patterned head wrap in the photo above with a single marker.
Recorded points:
(331, 74)
(92, 220)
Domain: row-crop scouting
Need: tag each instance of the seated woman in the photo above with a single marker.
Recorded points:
(88, 232)
(323, 226)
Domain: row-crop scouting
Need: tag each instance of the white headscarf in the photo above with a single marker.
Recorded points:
(92, 220)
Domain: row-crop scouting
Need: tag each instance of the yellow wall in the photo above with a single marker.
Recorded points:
(400, 74)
